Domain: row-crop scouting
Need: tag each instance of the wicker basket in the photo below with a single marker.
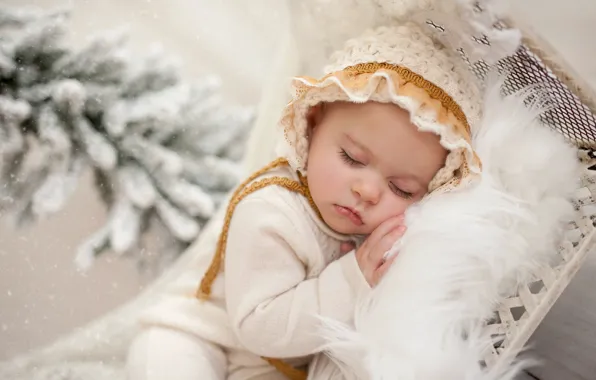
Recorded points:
(574, 115)
(519, 315)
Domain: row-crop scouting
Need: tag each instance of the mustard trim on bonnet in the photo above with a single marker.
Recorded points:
(408, 76)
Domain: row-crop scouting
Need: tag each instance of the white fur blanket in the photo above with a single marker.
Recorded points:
(462, 253)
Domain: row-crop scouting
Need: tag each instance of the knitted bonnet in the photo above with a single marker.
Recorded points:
(417, 58)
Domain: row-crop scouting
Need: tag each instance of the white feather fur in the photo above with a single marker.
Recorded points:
(462, 252)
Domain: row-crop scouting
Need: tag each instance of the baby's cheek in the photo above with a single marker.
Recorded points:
(393, 206)
(336, 175)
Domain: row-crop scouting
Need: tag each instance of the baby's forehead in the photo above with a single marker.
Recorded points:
(370, 118)
(375, 117)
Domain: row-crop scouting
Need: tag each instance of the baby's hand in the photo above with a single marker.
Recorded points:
(370, 255)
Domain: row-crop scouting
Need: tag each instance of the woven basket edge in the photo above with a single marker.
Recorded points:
(554, 60)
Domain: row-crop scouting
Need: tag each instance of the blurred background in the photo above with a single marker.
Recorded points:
(43, 294)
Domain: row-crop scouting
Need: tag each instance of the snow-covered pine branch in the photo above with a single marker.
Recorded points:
(162, 150)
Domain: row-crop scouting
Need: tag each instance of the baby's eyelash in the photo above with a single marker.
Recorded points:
(400, 192)
(348, 159)
(352, 162)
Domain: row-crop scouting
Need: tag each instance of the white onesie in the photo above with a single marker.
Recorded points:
(282, 270)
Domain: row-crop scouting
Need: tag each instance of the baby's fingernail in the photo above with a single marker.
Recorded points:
(401, 218)
(389, 255)
(401, 229)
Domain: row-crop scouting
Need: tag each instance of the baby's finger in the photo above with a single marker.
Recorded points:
(385, 244)
(385, 228)
(379, 273)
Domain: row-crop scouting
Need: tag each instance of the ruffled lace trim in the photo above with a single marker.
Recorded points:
(429, 110)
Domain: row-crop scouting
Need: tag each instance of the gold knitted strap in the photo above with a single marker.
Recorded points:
(246, 188)
(204, 289)
(240, 193)
(290, 372)
(207, 281)
(408, 75)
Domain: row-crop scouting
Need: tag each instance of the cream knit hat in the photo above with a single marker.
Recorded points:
(405, 64)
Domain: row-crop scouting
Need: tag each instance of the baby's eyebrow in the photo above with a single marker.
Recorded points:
(358, 144)
(412, 176)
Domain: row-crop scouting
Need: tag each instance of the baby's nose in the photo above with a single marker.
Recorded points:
(367, 191)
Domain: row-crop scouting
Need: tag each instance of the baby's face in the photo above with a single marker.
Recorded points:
(368, 162)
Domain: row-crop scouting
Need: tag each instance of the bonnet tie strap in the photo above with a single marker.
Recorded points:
(244, 189)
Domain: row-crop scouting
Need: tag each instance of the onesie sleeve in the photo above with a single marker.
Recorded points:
(275, 311)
